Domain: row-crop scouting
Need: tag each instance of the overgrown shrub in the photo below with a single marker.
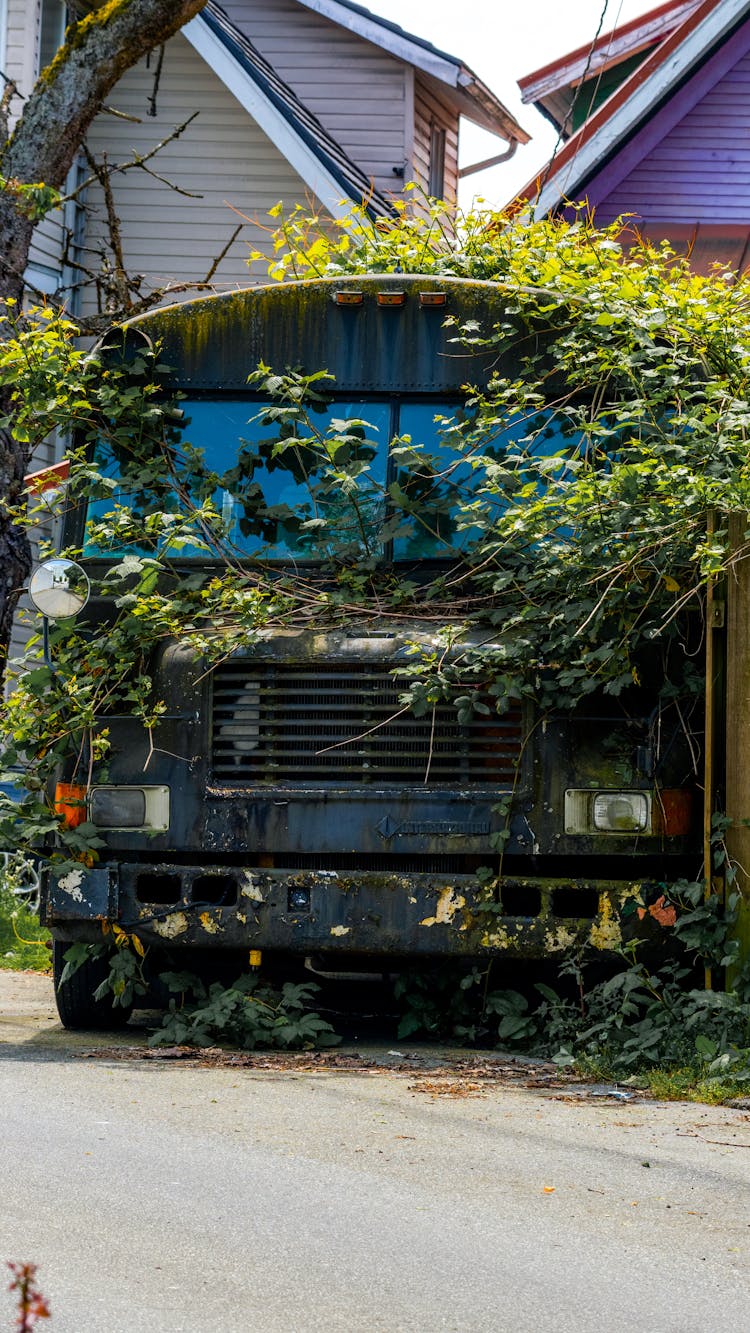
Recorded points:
(249, 1013)
(641, 1014)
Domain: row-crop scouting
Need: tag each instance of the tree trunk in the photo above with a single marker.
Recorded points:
(15, 557)
(68, 94)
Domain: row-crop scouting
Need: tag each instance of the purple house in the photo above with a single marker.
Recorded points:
(654, 120)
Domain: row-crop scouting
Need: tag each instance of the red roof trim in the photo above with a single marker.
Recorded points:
(47, 478)
(560, 73)
(618, 99)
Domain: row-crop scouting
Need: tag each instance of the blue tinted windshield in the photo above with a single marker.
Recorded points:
(278, 495)
(450, 487)
(351, 478)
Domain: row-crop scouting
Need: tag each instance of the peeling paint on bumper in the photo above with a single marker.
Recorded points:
(367, 912)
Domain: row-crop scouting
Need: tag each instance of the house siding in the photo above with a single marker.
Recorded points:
(45, 255)
(431, 109)
(700, 170)
(21, 41)
(21, 60)
(21, 57)
(223, 156)
(357, 91)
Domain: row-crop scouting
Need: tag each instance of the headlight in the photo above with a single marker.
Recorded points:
(621, 812)
(608, 811)
(129, 807)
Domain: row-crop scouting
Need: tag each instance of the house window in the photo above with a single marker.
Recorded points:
(52, 23)
(436, 183)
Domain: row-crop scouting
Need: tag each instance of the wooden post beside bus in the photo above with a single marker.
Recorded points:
(738, 721)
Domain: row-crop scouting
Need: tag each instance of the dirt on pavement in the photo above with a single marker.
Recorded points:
(29, 1020)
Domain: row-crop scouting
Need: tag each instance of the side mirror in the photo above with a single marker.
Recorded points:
(59, 588)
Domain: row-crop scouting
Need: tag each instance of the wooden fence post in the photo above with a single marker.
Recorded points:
(738, 722)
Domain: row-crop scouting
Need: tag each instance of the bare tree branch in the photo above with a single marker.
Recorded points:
(157, 80)
(120, 115)
(222, 255)
(139, 160)
(119, 273)
(120, 292)
(96, 53)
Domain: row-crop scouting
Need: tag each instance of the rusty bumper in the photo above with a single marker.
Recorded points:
(370, 913)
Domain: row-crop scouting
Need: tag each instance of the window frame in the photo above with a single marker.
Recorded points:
(55, 14)
(438, 142)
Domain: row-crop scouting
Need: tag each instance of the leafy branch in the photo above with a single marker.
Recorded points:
(563, 505)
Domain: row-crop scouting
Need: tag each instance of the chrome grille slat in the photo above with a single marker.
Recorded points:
(284, 723)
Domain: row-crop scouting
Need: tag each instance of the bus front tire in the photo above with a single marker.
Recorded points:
(78, 1009)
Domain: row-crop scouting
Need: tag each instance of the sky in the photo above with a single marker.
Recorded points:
(503, 40)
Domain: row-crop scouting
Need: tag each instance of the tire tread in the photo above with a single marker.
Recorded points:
(78, 1010)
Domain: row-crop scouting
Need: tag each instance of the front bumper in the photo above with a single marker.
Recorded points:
(301, 911)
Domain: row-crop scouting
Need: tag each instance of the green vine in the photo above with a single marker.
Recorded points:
(640, 1015)
(572, 510)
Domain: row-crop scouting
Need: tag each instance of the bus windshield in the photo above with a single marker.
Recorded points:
(376, 477)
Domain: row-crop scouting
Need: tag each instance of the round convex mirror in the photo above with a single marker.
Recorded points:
(59, 588)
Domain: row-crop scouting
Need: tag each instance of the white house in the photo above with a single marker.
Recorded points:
(292, 100)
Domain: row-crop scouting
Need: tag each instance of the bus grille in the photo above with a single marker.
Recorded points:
(334, 724)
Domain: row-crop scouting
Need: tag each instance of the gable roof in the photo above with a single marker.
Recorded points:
(554, 87)
(681, 55)
(321, 162)
(472, 98)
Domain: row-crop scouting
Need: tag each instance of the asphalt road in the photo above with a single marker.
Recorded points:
(406, 1195)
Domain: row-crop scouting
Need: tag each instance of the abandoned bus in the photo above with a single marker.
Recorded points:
(291, 805)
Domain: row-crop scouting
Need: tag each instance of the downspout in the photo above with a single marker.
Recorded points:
(74, 228)
(489, 161)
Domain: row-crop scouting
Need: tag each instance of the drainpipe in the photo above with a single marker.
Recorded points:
(489, 161)
(74, 222)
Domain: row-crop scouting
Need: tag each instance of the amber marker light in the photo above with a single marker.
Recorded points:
(391, 298)
(672, 811)
(348, 298)
(430, 299)
(70, 803)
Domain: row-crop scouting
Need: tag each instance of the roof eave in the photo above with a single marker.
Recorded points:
(659, 76)
(479, 104)
(472, 97)
(608, 50)
(389, 37)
